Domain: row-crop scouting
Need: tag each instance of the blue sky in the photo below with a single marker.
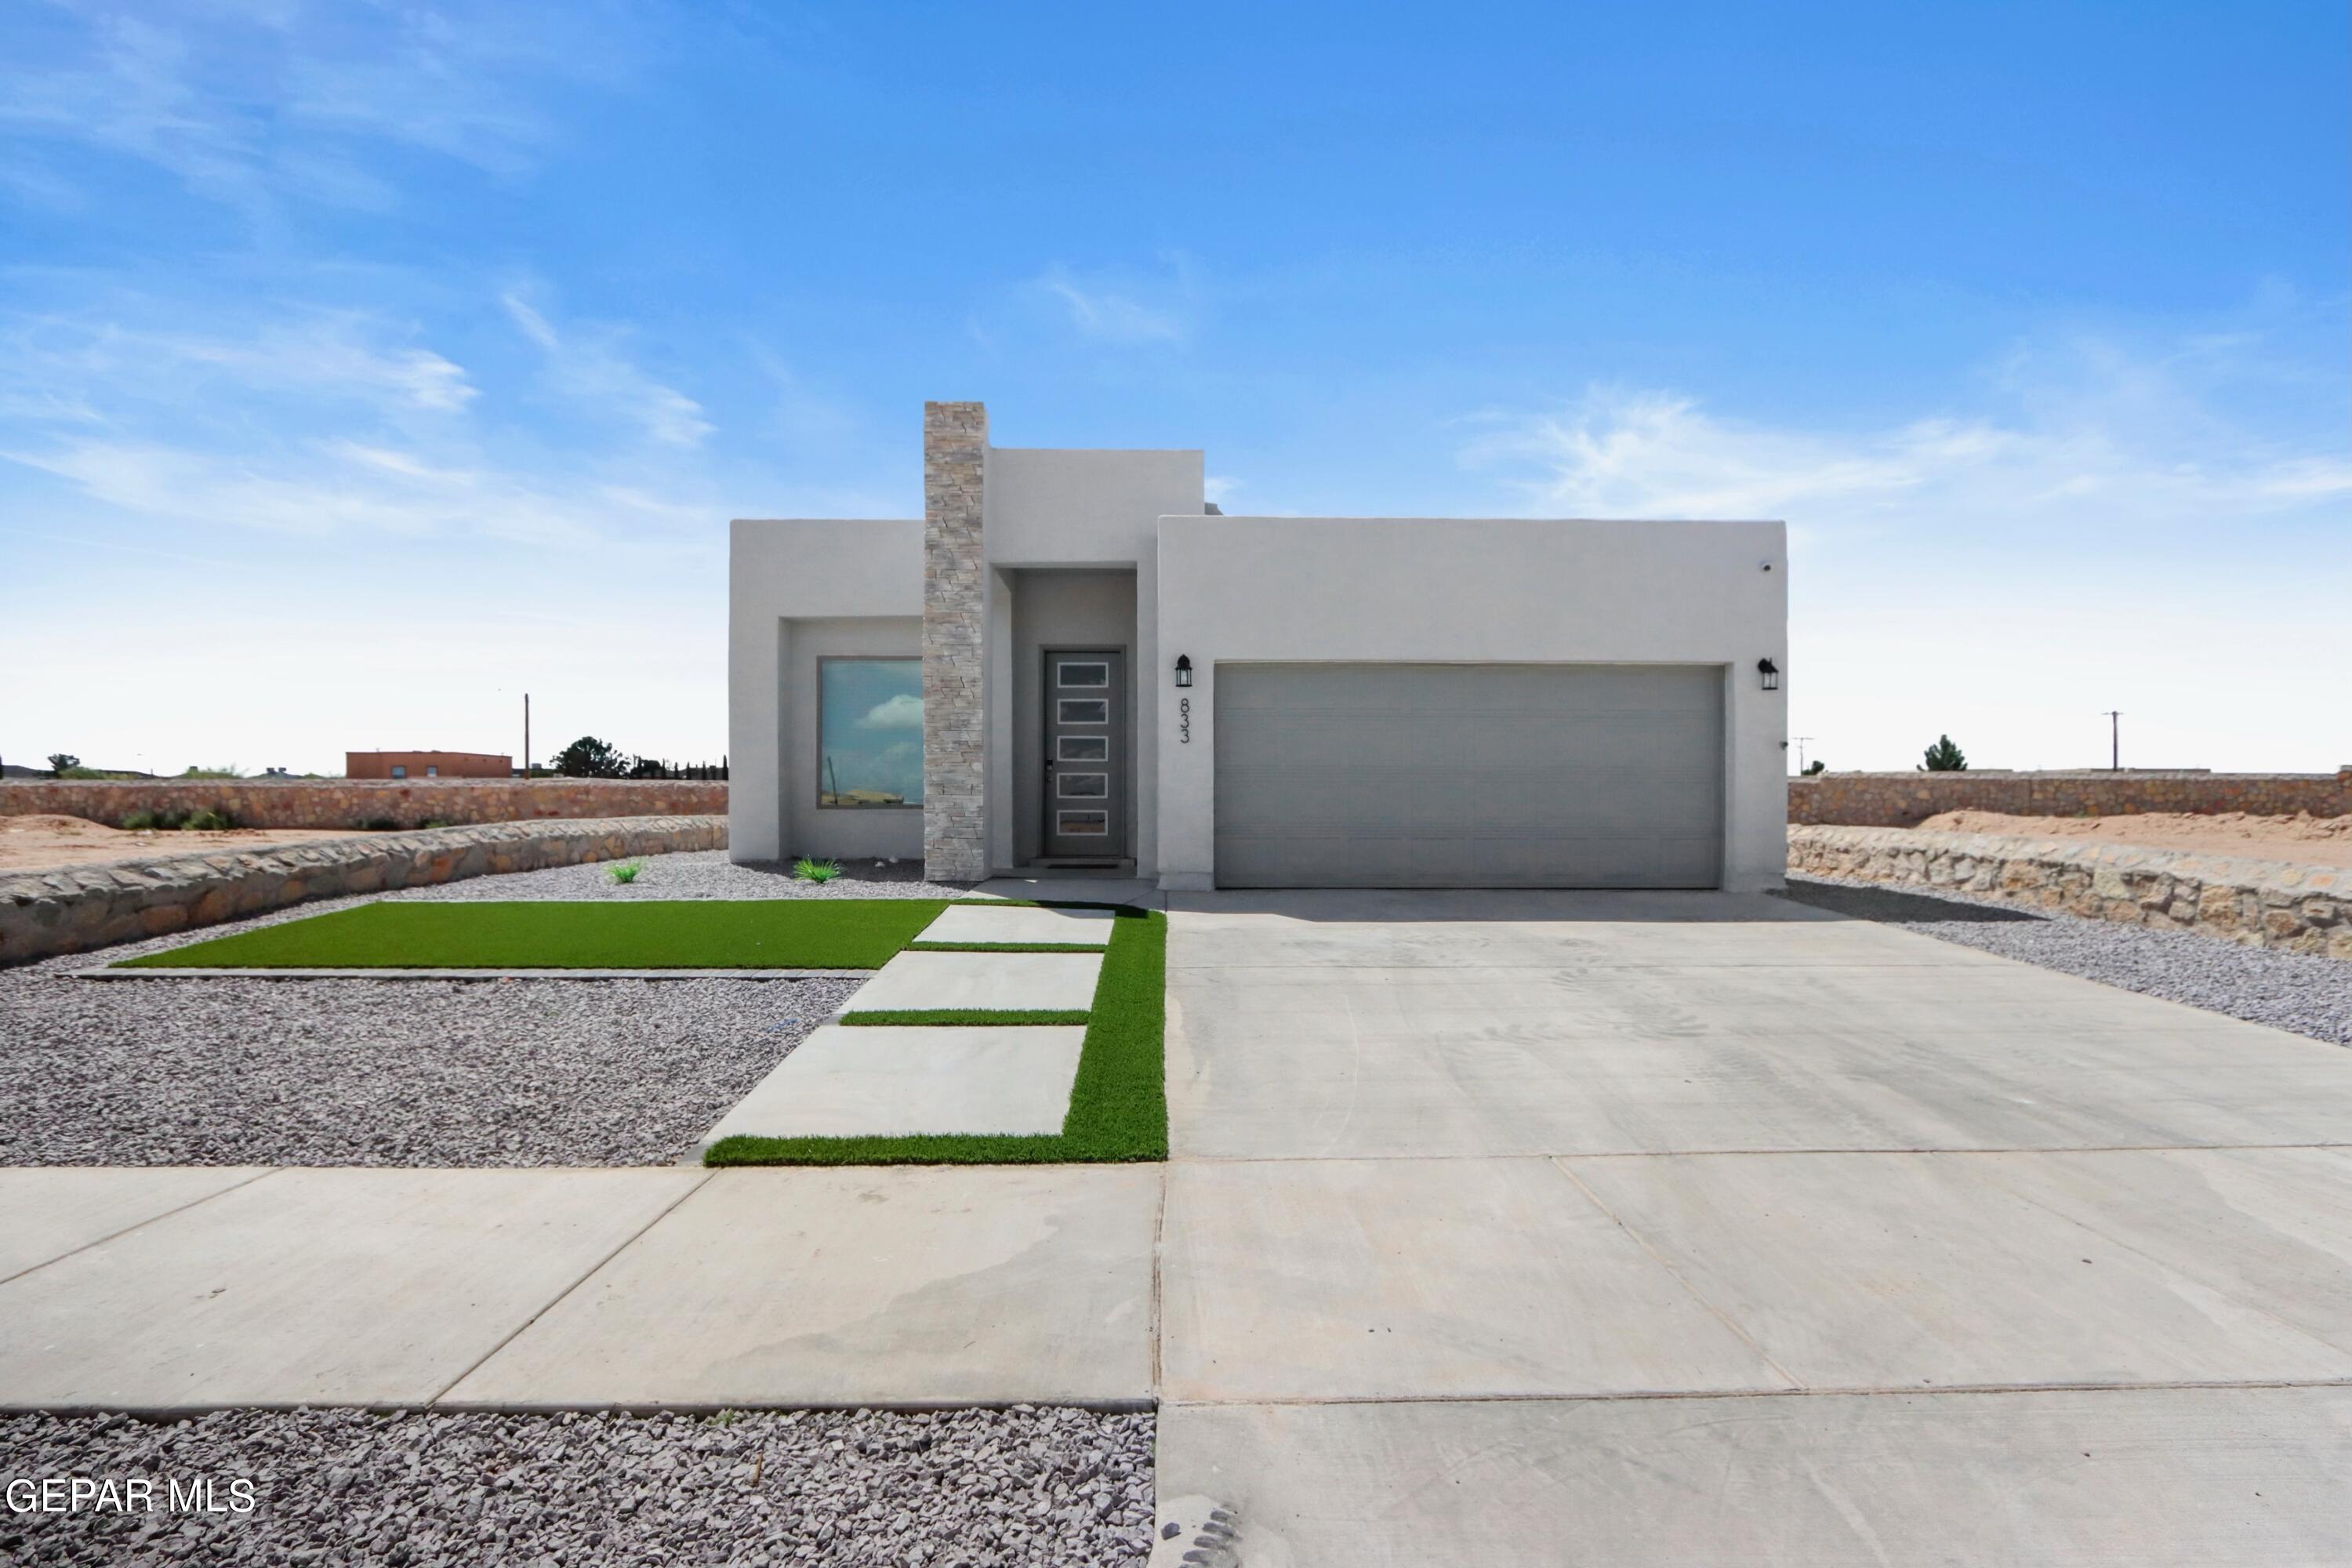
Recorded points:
(365, 366)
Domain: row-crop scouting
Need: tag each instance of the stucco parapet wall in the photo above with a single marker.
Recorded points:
(2257, 903)
(363, 802)
(81, 907)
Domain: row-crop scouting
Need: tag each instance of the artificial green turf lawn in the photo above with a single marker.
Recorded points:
(1118, 1105)
(699, 933)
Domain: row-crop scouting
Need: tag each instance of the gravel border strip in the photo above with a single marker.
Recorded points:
(2304, 994)
(1024, 1485)
(478, 975)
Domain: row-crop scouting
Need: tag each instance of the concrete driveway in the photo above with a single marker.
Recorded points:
(1526, 1228)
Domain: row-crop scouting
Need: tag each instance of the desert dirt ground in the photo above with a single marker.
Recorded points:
(2304, 840)
(44, 842)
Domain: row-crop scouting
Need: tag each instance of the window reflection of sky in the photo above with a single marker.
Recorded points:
(870, 731)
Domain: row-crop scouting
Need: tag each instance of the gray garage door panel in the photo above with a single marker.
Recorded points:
(1422, 775)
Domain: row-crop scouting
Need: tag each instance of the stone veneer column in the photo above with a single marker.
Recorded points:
(955, 610)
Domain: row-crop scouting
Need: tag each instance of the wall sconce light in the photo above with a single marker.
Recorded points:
(1771, 672)
(1183, 670)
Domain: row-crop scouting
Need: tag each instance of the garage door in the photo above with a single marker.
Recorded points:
(1469, 776)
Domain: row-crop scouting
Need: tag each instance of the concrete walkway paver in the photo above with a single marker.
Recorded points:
(984, 982)
(847, 1082)
(348, 1287)
(48, 1211)
(972, 923)
(892, 1285)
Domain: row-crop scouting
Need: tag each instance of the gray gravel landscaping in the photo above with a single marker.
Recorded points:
(977, 1487)
(377, 1072)
(2304, 992)
(696, 874)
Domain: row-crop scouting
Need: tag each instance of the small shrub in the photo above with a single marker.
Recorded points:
(809, 870)
(1815, 768)
(1944, 757)
(61, 761)
(434, 822)
(225, 771)
(139, 822)
(207, 820)
(154, 821)
(380, 825)
(627, 871)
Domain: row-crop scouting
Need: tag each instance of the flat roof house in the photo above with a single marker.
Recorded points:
(1072, 660)
(427, 765)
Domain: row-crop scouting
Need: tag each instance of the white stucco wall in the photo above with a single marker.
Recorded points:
(1473, 591)
(799, 589)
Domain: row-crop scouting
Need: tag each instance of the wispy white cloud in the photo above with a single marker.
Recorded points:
(314, 489)
(326, 424)
(64, 361)
(249, 105)
(1125, 310)
(589, 367)
(2090, 435)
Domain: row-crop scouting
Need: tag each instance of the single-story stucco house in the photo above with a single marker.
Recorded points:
(1072, 660)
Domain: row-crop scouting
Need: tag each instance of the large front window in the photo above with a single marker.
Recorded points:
(869, 732)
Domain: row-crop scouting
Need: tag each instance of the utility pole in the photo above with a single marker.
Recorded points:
(526, 734)
(1801, 741)
(2115, 741)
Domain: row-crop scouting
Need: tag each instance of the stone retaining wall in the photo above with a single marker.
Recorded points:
(366, 802)
(81, 907)
(2259, 903)
(1903, 800)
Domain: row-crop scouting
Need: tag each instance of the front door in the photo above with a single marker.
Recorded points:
(1086, 755)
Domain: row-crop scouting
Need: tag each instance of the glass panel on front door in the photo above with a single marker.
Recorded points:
(1086, 755)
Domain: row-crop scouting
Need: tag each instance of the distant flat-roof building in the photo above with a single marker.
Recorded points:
(427, 765)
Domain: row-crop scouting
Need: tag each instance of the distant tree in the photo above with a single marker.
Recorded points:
(1816, 766)
(589, 758)
(61, 761)
(1944, 757)
(648, 768)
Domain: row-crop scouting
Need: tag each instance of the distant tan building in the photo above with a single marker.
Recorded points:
(427, 765)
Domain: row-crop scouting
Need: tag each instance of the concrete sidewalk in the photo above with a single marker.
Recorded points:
(177, 1289)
